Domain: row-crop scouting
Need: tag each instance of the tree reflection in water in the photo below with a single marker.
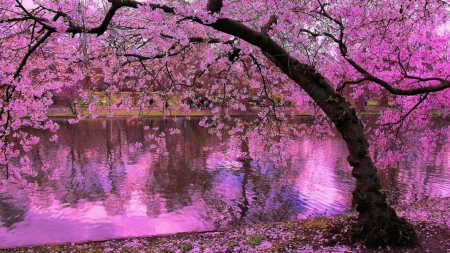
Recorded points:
(96, 182)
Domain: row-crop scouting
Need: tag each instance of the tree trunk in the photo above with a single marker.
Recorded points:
(383, 100)
(361, 103)
(378, 223)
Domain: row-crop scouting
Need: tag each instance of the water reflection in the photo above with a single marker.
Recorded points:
(98, 182)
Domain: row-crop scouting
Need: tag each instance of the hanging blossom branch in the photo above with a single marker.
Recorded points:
(419, 79)
(273, 104)
(30, 52)
(141, 58)
(74, 29)
(215, 6)
(39, 20)
(223, 24)
(404, 116)
(201, 40)
(11, 20)
(99, 30)
(410, 92)
(255, 38)
(264, 30)
(400, 122)
(10, 89)
(342, 86)
(444, 84)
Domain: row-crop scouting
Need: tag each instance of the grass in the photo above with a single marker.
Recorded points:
(431, 220)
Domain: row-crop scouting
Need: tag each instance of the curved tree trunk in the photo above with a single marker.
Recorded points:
(378, 223)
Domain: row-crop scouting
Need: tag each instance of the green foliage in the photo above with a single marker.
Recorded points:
(185, 247)
(254, 240)
(334, 98)
(166, 250)
(386, 201)
(204, 246)
(231, 245)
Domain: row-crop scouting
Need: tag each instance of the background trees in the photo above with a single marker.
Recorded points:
(309, 52)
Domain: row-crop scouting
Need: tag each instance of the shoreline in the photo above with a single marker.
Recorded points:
(63, 112)
(430, 218)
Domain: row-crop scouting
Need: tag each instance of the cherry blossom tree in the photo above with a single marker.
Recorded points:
(304, 52)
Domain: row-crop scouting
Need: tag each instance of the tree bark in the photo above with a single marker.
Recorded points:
(378, 223)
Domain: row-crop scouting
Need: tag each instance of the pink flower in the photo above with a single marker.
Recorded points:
(73, 121)
(16, 125)
(174, 131)
(54, 138)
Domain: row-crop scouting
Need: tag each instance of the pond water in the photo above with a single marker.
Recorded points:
(98, 182)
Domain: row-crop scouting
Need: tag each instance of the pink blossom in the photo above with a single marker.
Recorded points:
(73, 121)
(16, 125)
(174, 131)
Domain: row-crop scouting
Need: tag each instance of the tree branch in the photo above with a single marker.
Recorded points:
(260, 40)
(268, 26)
(41, 21)
(444, 84)
(10, 20)
(214, 6)
(116, 4)
(31, 50)
(342, 86)
(402, 118)
(405, 92)
(158, 56)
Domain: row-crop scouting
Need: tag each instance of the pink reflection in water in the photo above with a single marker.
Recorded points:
(99, 185)
(90, 221)
(317, 179)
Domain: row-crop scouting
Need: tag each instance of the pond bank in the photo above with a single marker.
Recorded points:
(431, 219)
(158, 112)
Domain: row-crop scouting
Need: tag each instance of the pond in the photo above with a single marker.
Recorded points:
(106, 178)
